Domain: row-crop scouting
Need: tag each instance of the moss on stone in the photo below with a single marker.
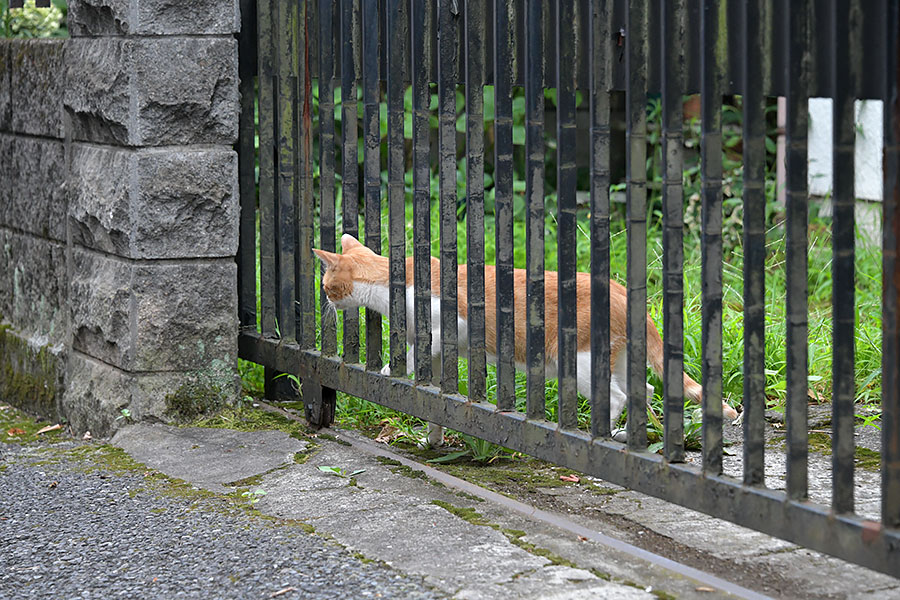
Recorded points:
(29, 377)
(864, 457)
(470, 515)
(195, 398)
(331, 438)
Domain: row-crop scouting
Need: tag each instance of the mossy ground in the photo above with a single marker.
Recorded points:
(16, 427)
(864, 457)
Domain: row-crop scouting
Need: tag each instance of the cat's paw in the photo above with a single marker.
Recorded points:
(619, 435)
(386, 370)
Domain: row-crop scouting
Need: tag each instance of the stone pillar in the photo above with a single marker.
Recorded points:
(151, 110)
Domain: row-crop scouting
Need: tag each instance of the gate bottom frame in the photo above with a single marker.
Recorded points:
(814, 526)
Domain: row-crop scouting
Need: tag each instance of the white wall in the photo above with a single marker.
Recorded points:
(869, 143)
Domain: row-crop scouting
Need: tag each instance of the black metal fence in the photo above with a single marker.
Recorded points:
(842, 49)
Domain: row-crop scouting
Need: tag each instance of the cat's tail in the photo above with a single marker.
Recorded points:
(692, 389)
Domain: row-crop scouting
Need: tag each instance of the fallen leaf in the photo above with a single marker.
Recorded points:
(14, 431)
(5, 407)
(282, 592)
(571, 478)
(703, 588)
(86, 436)
(388, 434)
(581, 538)
(49, 428)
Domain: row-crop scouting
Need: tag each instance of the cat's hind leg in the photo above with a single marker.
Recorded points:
(617, 396)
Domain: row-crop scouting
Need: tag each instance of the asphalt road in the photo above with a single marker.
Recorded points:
(71, 527)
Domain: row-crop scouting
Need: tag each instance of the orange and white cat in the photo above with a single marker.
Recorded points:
(359, 278)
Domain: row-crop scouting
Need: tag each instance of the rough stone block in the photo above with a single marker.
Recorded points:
(186, 315)
(95, 395)
(154, 317)
(154, 17)
(5, 85)
(186, 204)
(32, 373)
(154, 203)
(153, 91)
(88, 18)
(164, 17)
(33, 286)
(102, 305)
(97, 392)
(99, 210)
(34, 190)
(37, 79)
(6, 174)
(98, 96)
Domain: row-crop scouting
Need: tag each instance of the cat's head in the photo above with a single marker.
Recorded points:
(344, 272)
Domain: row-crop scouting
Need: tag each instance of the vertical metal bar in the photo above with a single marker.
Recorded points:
(535, 352)
(475, 56)
(266, 78)
(505, 350)
(371, 162)
(796, 200)
(847, 66)
(285, 26)
(421, 29)
(754, 135)
(636, 216)
(601, 83)
(396, 36)
(672, 20)
(566, 27)
(711, 70)
(247, 56)
(327, 239)
(305, 265)
(448, 75)
(890, 365)
(350, 170)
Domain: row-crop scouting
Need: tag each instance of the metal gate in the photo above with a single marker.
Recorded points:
(293, 54)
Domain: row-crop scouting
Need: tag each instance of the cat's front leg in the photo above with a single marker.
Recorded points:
(410, 358)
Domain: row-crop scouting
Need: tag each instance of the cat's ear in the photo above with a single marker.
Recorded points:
(329, 258)
(348, 242)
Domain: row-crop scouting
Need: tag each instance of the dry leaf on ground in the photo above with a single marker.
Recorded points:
(49, 428)
(388, 434)
(14, 431)
(571, 478)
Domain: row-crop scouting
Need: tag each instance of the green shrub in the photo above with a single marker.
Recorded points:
(33, 22)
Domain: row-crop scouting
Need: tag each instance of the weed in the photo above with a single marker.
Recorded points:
(341, 471)
(254, 496)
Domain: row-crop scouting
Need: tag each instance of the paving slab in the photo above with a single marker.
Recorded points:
(208, 458)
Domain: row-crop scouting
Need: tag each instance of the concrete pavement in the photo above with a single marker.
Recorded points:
(585, 540)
